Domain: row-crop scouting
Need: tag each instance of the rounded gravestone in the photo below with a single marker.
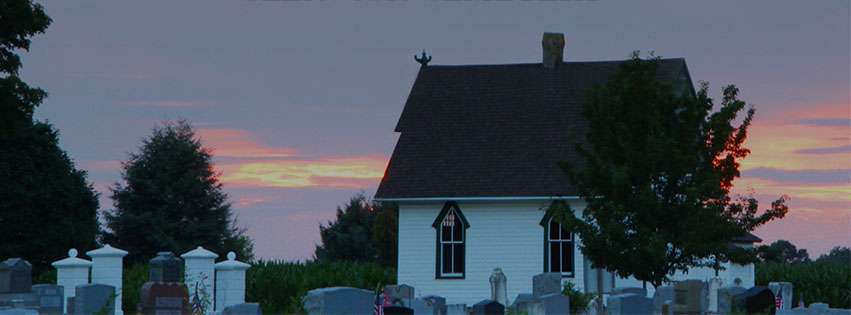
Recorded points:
(166, 267)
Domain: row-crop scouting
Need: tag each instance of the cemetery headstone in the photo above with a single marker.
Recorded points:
(712, 299)
(69, 305)
(593, 307)
(339, 300)
(398, 310)
(629, 303)
(522, 301)
(488, 307)
(402, 294)
(754, 300)
(166, 267)
(18, 311)
(546, 283)
(456, 309)
(725, 298)
(50, 298)
(15, 276)
(164, 298)
(817, 308)
(71, 272)
(662, 295)
(630, 290)
(499, 283)
(94, 298)
(243, 309)
(18, 300)
(782, 294)
(555, 303)
(667, 308)
(689, 297)
(429, 305)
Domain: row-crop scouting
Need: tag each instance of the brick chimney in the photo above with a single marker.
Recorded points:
(553, 44)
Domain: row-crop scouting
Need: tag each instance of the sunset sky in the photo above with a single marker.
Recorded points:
(298, 100)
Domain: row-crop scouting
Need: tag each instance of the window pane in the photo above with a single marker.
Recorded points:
(458, 257)
(446, 233)
(459, 230)
(554, 230)
(555, 255)
(447, 258)
(567, 256)
(565, 235)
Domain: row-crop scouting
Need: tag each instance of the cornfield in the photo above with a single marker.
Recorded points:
(813, 281)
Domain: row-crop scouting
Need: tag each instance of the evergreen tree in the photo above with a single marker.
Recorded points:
(46, 204)
(171, 200)
(659, 169)
(362, 232)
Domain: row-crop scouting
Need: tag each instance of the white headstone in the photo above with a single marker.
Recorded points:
(200, 271)
(71, 272)
(230, 282)
(108, 268)
(499, 289)
(714, 285)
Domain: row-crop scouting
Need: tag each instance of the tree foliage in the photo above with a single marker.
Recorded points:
(46, 204)
(839, 255)
(659, 167)
(171, 200)
(782, 251)
(362, 232)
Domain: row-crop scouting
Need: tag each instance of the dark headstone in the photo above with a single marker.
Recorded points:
(756, 300)
(51, 298)
(15, 276)
(398, 310)
(488, 307)
(70, 301)
(726, 298)
(555, 303)
(166, 267)
(94, 298)
(243, 309)
(18, 300)
(159, 298)
(690, 297)
(629, 303)
(339, 300)
(663, 294)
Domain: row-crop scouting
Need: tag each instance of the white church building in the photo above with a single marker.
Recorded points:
(476, 167)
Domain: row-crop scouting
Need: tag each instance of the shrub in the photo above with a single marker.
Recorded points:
(280, 286)
(578, 299)
(816, 281)
(134, 277)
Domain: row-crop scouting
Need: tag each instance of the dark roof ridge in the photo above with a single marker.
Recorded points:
(538, 63)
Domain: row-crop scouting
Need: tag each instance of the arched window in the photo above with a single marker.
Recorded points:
(558, 247)
(451, 228)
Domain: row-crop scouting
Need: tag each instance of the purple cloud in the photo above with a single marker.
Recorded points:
(826, 150)
(814, 177)
(826, 122)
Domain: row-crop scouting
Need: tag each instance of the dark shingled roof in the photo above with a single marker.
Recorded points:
(747, 238)
(496, 130)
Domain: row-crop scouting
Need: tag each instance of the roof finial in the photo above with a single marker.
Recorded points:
(423, 59)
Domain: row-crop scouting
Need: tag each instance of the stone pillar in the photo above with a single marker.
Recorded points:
(108, 268)
(499, 283)
(200, 271)
(71, 272)
(714, 286)
(230, 282)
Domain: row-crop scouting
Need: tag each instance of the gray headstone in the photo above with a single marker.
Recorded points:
(402, 294)
(51, 298)
(546, 283)
(629, 303)
(430, 305)
(339, 300)
(818, 307)
(725, 298)
(456, 309)
(18, 311)
(499, 286)
(15, 276)
(630, 290)
(94, 298)
(783, 292)
(488, 307)
(690, 297)
(243, 309)
(555, 303)
(70, 301)
(663, 294)
(18, 300)
(522, 301)
(166, 267)
(758, 299)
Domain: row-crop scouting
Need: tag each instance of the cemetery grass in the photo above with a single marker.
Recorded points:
(279, 286)
(825, 282)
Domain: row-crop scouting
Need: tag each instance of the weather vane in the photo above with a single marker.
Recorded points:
(423, 59)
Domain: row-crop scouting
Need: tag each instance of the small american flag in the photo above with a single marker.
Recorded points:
(380, 303)
(778, 302)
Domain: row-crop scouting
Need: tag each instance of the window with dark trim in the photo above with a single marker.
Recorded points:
(558, 247)
(451, 228)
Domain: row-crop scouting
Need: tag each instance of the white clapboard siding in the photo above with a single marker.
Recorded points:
(506, 235)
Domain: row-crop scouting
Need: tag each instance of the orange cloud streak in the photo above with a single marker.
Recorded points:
(237, 143)
(334, 172)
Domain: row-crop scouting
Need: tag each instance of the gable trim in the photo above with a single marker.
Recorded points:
(518, 198)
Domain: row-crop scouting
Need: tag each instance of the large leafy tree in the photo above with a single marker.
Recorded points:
(782, 251)
(171, 200)
(659, 167)
(363, 231)
(46, 204)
